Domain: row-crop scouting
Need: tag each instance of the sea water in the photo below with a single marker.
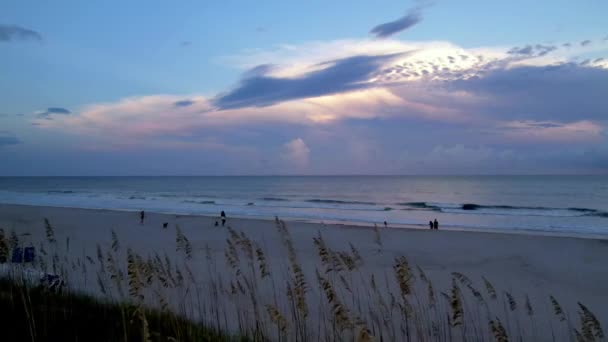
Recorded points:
(572, 205)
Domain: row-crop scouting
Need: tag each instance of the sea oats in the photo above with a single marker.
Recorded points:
(431, 294)
(529, 309)
(403, 274)
(511, 300)
(133, 273)
(277, 318)
(557, 309)
(589, 320)
(490, 288)
(4, 248)
(499, 332)
(263, 265)
(456, 304)
(340, 312)
(115, 242)
(476, 293)
(462, 278)
(423, 276)
(578, 336)
(323, 251)
(246, 246)
(356, 255)
(50, 233)
(348, 261)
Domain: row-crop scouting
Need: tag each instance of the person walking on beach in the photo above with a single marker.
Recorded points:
(431, 225)
(141, 217)
(223, 216)
(436, 224)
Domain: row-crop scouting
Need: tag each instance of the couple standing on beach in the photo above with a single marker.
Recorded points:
(434, 225)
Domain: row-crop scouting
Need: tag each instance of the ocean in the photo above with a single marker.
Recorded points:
(568, 205)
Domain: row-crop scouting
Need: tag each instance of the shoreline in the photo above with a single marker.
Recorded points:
(346, 224)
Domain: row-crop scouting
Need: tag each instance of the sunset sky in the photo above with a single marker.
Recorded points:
(308, 87)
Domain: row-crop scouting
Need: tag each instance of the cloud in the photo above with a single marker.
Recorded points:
(585, 42)
(552, 131)
(13, 33)
(567, 92)
(532, 50)
(185, 43)
(297, 153)
(183, 103)
(52, 111)
(411, 18)
(7, 138)
(334, 76)
(376, 106)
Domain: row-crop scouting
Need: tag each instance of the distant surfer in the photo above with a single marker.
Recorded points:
(142, 215)
(431, 225)
(436, 224)
(223, 216)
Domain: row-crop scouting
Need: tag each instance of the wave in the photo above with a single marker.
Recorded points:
(198, 202)
(61, 192)
(599, 214)
(501, 209)
(331, 201)
(274, 199)
(420, 205)
(473, 206)
(584, 210)
(580, 211)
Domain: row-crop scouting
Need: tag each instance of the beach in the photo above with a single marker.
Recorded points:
(524, 266)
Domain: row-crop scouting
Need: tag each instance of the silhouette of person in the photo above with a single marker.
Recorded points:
(385, 224)
(431, 224)
(216, 223)
(436, 224)
(142, 215)
(223, 216)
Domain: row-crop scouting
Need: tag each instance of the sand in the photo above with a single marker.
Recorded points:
(571, 269)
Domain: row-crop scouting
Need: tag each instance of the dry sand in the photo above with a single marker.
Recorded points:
(571, 269)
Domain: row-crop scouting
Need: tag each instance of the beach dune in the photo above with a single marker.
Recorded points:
(524, 268)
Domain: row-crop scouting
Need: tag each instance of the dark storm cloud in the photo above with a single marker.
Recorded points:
(562, 92)
(54, 110)
(338, 76)
(183, 103)
(12, 33)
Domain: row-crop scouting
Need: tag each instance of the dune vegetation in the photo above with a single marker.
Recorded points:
(120, 294)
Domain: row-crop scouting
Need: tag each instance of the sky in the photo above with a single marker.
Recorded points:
(303, 88)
